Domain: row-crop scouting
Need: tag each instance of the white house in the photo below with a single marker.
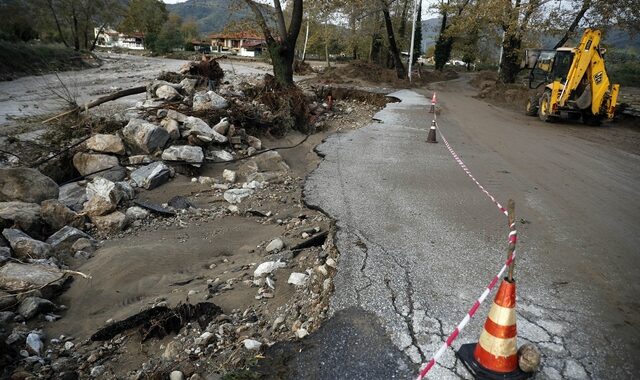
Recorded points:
(108, 37)
(243, 44)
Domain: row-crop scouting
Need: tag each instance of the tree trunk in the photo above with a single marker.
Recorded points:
(510, 67)
(95, 39)
(397, 61)
(403, 19)
(326, 45)
(55, 17)
(282, 60)
(76, 37)
(444, 44)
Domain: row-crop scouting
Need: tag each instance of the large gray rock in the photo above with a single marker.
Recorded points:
(167, 92)
(220, 155)
(189, 85)
(99, 206)
(103, 196)
(15, 277)
(234, 196)
(271, 162)
(57, 215)
(32, 306)
(111, 223)
(24, 247)
(151, 176)
(5, 255)
(92, 165)
(172, 127)
(64, 239)
(73, 195)
(194, 126)
(153, 87)
(223, 126)
(188, 153)
(209, 100)
(144, 137)
(25, 216)
(26, 185)
(106, 144)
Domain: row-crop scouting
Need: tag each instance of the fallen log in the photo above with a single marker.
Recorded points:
(101, 100)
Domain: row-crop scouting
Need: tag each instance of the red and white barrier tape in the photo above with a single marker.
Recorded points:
(513, 237)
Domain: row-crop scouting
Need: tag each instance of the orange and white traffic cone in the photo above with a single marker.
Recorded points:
(431, 137)
(433, 103)
(495, 356)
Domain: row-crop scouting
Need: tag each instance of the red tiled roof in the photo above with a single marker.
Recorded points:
(253, 43)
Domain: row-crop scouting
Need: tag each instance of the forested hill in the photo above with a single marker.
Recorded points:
(211, 15)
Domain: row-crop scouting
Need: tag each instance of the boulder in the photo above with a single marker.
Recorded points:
(194, 126)
(220, 155)
(32, 306)
(25, 216)
(137, 213)
(151, 176)
(103, 195)
(92, 165)
(167, 92)
(5, 255)
(234, 196)
(268, 267)
(57, 215)
(64, 239)
(206, 101)
(172, 128)
(254, 142)
(26, 185)
(297, 279)
(73, 196)
(113, 222)
(85, 245)
(144, 137)
(106, 144)
(275, 245)
(229, 175)
(15, 277)
(153, 87)
(24, 247)
(189, 85)
(271, 162)
(99, 206)
(188, 153)
(223, 126)
(177, 116)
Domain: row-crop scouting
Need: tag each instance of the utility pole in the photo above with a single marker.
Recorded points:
(413, 36)
(306, 39)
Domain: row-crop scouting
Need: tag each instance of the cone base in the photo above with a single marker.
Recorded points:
(465, 354)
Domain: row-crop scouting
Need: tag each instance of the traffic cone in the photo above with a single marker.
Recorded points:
(495, 355)
(433, 103)
(431, 137)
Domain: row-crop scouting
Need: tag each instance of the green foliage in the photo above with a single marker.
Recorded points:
(442, 51)
(417, 44)
(169, 37)
(19, 58)
(623, 67)
(211, 16)
(145, 16)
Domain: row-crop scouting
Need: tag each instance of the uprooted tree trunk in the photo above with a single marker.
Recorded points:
(281, 47)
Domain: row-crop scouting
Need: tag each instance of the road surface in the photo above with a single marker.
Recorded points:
(419, 241)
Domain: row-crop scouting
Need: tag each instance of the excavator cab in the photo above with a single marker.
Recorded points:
(549, 66)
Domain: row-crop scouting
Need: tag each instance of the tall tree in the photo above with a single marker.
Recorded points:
(391, 39)
(147, 17)
(281, 42)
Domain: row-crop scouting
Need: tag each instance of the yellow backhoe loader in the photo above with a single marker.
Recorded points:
(576, 82)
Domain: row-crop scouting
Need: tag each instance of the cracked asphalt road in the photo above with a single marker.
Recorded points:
(419, 242)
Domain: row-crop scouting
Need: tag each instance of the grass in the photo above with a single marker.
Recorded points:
(20, 59)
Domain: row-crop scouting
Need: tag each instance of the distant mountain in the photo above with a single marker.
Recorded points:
(211, 15)
(430, 31)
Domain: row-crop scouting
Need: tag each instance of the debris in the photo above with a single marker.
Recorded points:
(16, 277)
(25, 247)
(181, 203)
(236, 195)
(152, 175)
(25, 216)
(275, 245)
(64, 238)
(223, 126)
(271, 161)
(114, 222)
(136, 213)
(106, 144)
(56, 215)
(35, 343)
(155, 208)
(91, 165)
(176, 375)
(528, 357)
(167, 92)
(187, 153)
(144, 137)
(220, 155)
(251, 344)
(297, 279)
(32, 306)
(268, 267)
(229, 175)
(26, 185)
(314, 241)
(73, 196)
(160, 321)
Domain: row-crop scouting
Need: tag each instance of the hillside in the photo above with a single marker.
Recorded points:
(211, 15)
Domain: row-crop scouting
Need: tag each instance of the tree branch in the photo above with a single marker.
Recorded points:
(261, 21)
(296, 21)
(282, 26)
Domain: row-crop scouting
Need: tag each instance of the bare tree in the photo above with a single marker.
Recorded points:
(282, 43)
(391, 39)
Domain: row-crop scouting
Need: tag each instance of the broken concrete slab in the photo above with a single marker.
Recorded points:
(26, 185)
(234, 196)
